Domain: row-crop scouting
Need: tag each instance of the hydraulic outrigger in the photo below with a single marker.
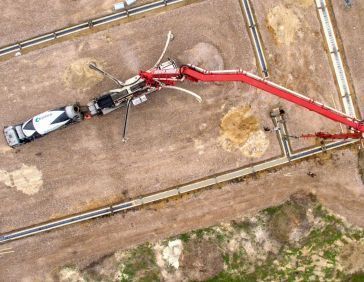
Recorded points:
(168, 75)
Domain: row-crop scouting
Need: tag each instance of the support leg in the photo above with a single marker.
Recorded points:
(128, 104)
(94, 67)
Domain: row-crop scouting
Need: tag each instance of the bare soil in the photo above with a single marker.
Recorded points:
(172, 139)
(27, 179)
(353, 257)
(297, 59)
(22, 19)
(350, 24)
(240, 130)
(361, 164)
(243, 250)
(290, 218)
(336, 184)
(202, 260)
(284, 24)
(238, 124)
(302, 3)
(79, 76)
(205, 55)
(87, 165)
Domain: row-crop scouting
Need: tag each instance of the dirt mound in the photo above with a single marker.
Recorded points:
(289, 223)
(27, 179)
(203, 55)
(302, 3)
(283, 23)
(79, 76)
(240, 130)
(202, 259)
(284, 222)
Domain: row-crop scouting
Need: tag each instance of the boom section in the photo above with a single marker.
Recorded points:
(196, 74)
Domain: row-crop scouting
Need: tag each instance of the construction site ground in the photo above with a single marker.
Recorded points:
(350, 24)
(22, 20)
(172, 138)
(298, 240)
(336, 184)
(297, 58)
(88, 165)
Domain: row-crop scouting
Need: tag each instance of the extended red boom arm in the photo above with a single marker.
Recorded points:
(196, 74)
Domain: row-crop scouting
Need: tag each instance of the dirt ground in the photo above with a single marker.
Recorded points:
(350, 24)
(84, 243)
(201, 261)
(298, 240)
(22, 20)
(296, 57)
(172, 139)
(88, 165)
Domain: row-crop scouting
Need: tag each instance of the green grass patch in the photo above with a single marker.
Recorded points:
(356, 277)
(241, 225)
(278, 223)
(200, 233)
(141, 265)
(327, 236)
(185, 237)
(330, 255)
(225, 277)
(273, 210)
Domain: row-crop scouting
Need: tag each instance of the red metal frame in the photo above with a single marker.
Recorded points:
(324, 135)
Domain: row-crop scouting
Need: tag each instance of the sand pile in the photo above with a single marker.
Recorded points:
(283, 23)
(79, 76)
(27, 179)
(238, 124)
(241, 130)
(203, 55)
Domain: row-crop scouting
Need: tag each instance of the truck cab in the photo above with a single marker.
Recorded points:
(41, 124)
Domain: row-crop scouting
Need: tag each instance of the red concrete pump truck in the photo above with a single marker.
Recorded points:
(168, 75)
